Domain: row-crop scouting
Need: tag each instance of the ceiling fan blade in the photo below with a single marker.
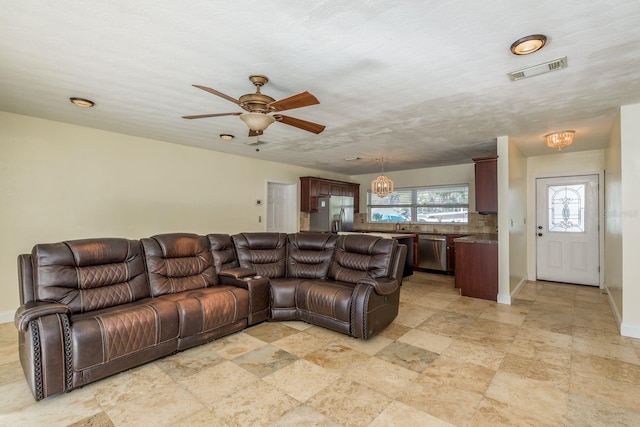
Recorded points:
(303, 99)
(300, 124)
(255, 132)
(220, 94)
(202, 116)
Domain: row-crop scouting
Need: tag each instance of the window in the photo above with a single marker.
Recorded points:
(441, 204)
(566, 208)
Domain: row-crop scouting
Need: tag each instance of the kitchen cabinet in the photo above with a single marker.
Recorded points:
(451, 252)
(486, 169)
(477, 268)
(312, 187)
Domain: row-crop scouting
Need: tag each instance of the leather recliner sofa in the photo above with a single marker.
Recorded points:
(91, 308)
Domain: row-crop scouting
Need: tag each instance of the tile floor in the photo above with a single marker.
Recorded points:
(553, 358)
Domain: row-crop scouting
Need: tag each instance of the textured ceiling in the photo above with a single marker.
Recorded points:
(419, 83)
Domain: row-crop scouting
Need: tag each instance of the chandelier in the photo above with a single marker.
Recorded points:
(560, 139)
(382, 186)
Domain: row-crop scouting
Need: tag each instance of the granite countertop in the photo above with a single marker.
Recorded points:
(381, 234)
(478, 238)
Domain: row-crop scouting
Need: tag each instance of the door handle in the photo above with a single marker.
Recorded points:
(539, 227)
(539, 234)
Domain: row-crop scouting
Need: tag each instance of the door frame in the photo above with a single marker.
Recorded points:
(531, 228)
(293, 206)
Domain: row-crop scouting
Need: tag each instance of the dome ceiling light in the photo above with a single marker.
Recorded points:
(529, 44)
(81, 102)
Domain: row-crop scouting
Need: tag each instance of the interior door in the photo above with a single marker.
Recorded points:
(281, 207)
(567, 230)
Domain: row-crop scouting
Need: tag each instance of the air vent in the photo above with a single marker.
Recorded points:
(545, 67)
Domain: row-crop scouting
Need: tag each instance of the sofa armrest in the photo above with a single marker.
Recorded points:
(259, 292)
(238, 272)
(36, 309)
(45, 347)
(383, 286)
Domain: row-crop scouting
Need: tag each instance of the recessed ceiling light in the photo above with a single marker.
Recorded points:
(529, 44)
(226, 136)
(81, 102)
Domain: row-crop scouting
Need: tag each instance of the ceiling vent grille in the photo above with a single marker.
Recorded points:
(545, 67)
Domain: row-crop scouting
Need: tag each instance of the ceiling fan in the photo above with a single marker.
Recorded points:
(258, 105)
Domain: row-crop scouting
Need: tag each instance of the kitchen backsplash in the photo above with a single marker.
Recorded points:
(478, 224)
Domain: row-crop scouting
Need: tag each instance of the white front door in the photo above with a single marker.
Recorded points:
(567, 230)
(281, 207)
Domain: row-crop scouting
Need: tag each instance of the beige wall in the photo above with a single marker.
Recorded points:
(504, 293)
(517, 218)
(630, 212)
(613, 221)
(61, 182)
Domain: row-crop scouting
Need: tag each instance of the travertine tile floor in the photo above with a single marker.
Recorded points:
(553, 358)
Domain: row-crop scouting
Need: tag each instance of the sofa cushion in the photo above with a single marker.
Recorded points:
(203, 310)
(325, 303)
(89, 274)
(263, 252)
(309, 255)
(359, 255)
(223, 252)
(178, 262)
(283, 293)
(105, 335)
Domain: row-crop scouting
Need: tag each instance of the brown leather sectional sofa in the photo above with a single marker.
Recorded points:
(95, 307)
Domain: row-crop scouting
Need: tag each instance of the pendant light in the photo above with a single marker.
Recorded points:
(382, 186)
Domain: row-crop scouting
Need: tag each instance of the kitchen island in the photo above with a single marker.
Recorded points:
(477, 266)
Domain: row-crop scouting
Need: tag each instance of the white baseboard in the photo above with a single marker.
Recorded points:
(508, 299)
(613, 306)
(628, 330)
(6, 316)
(519, 286)
(504, 299)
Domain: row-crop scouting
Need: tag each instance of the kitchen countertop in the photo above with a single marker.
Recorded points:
(478, 238)
(381, 234)
(431, 233)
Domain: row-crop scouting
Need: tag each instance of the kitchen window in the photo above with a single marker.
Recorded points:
(421, 205)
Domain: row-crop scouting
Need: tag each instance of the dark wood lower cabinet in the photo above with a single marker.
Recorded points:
(451, 252)
(477, 269)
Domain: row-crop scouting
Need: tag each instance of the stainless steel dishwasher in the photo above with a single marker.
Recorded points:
(432, 252)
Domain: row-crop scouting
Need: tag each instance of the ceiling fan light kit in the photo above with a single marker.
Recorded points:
(257, 106)
(560, 139)
(257, 122)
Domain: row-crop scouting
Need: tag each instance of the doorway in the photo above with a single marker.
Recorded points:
(281, 207)
(568, 229)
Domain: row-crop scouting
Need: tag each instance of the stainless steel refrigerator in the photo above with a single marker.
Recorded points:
(335, 213)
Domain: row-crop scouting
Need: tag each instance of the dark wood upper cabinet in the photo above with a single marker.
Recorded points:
(311, 187)
(486, 184)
